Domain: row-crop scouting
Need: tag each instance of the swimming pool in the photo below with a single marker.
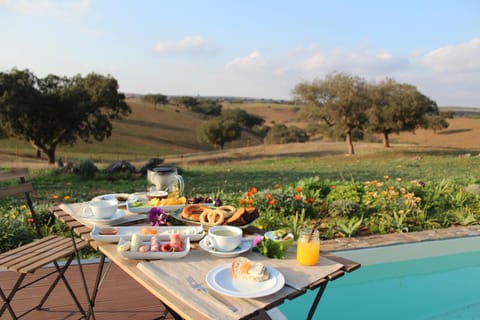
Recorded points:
(437, 281)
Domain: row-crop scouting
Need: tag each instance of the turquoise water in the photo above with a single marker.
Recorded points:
(436, 288)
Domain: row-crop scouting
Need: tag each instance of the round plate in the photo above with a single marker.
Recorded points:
(117, 216)
(220, 280)
(244, 246)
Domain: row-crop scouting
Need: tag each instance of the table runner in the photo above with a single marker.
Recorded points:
(172, 274)
(76, 211)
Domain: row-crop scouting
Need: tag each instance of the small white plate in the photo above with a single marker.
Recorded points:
(244, 246)
(117, 216)
(194, 233)
(111, 196)
(220, 279)
(155, 255)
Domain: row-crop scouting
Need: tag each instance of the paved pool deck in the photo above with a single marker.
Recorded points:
(353, 243)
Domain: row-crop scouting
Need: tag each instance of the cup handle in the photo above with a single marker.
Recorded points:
(209, 243)
(181, 184)
(87, 214)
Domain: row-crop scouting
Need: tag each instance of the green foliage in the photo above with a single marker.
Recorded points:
(56, 110)
(87, 168)
(280, 133)
(217, 132)
(207, 108)
(155, 99)
(242, 117)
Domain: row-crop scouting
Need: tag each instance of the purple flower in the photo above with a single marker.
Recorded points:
(257, 239)
(157, 217)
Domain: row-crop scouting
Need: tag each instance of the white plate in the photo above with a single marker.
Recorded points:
(110, 196)
(245, 245)
(194, 233)
(155, 255)
(117, 216)
(220, 279)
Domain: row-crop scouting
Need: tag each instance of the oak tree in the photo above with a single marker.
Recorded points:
(340, 101)
(398, 107)
(53, 111)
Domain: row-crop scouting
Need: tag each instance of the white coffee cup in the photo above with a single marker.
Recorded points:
(224, 238)
(101, 209)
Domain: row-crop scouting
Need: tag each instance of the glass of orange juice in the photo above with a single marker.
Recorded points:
(308, 247)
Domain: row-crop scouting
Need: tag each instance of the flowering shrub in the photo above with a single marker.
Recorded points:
(349, 208)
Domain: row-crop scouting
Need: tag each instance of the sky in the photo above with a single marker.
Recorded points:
(245, 48)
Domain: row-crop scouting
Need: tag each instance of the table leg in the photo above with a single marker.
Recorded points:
(321, 289)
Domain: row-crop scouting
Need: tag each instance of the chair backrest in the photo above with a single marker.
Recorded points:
(22, 187)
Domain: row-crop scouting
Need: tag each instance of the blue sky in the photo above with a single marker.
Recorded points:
(248, 48)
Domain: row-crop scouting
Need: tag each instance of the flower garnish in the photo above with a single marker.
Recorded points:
(157, 217)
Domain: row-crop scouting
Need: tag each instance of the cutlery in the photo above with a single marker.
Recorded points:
(197, 286)
(293, 286)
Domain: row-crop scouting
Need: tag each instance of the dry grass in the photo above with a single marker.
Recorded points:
(169, 132)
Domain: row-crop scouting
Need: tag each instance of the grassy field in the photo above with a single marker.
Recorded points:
(168, 132)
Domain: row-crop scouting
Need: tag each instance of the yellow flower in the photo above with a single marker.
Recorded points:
(23, 206)
(55, 196)
(398, 179)
(66, 198)
(386, 177)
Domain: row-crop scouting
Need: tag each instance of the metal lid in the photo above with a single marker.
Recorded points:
(164, 170)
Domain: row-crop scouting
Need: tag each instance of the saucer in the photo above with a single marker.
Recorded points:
(244, 246)
(117, 216)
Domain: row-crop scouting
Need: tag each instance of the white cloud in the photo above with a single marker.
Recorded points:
(188, 45)
(63, 10)
(462, 58)
(253, 62)
(358, 62)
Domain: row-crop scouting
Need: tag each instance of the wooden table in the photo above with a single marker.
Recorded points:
(168, 282)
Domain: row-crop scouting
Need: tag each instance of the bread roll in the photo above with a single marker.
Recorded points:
(245, 269)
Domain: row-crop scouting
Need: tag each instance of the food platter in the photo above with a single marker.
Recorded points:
(177, 214)
(155, 255)
(194, 233)
(220, 280)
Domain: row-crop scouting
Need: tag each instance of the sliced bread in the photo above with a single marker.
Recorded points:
(245, 269)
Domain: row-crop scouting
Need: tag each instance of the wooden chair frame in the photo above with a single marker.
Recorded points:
(28, 258)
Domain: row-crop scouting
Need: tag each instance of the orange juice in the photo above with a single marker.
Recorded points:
(308, 247)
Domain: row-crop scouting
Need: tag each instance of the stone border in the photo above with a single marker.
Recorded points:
(340, 244)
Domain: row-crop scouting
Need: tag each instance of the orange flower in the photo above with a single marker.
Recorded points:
(248, 194)
(272, 202)
(333, 187)
(299, 189)
(268, 196)
(276, 185)
(55, 196)
(253, 190)
(242, 201)
(249, 201)
(66, 198)
(386, 177)
(297, 197)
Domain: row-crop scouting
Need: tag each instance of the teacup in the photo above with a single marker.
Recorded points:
(101, 209)
(223, 238)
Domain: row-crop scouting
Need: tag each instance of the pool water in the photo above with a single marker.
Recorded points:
(436, 288)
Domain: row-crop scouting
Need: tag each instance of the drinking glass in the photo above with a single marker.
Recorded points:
(308, 247)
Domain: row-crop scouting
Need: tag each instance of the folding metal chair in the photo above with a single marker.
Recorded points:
(28, 258)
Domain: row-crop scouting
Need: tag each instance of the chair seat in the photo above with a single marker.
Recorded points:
(34, 255)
